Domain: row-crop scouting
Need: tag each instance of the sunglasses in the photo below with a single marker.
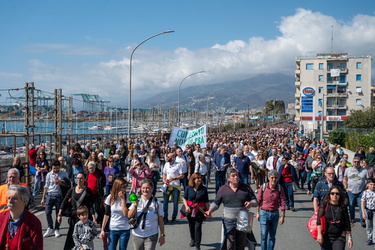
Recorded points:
(356, 161)
(334, 193)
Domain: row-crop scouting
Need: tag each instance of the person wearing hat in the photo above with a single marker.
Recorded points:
(52, 196)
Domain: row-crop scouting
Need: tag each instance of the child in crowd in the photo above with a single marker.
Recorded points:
(84, 230)
(368, 210)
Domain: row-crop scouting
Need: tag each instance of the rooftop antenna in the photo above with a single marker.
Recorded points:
(332, 39)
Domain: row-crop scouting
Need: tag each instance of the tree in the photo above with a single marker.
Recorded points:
(274, 107)
(361, 118)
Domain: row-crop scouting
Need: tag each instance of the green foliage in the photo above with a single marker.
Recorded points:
(352, 138)
(274, 107)
(356, 139)
(361, 119)
(337, 136)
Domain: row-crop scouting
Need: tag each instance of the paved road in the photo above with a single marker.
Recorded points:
(292, 235)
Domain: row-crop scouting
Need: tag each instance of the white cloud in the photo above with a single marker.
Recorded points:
(155, 71)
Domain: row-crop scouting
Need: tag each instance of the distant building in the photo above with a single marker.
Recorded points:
(329, 86)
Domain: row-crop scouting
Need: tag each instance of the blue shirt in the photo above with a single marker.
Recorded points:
(243, 166)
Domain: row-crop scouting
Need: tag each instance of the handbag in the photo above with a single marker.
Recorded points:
(136, 220)
(183, 208)
(245, 221)
(312, 226)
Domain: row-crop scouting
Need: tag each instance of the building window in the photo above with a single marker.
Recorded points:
(329, 78)
(319, 113)
(320, 102)
(321, 78)
(330, 112)
(343, 66)
(329, 66)
(321, 65)
(358, 77)
(358, 102)
(341, 89)
(358, 90)
(309, 66)
(342, 78)
(341, 112)
(359, 65)
(320, 90)
(342, 102)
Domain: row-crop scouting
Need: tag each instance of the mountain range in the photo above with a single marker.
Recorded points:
(240, 94)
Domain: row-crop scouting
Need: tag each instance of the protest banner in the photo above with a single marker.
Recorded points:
(184, 137)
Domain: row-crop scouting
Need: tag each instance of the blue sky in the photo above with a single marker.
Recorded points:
(84, 46)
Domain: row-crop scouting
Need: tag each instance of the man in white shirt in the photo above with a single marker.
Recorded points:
(273, 162)
(183, 161)
(54, 196)
(173, 173)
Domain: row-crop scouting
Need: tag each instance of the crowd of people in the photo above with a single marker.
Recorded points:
(92, 188)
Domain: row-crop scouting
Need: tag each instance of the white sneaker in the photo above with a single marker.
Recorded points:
(57, 233)
(48, 233)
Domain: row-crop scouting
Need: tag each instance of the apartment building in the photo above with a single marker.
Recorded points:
(328, 86)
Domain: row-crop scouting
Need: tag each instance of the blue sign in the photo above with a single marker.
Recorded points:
(307, 104)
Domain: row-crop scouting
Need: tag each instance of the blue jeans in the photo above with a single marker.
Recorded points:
(108, 188)
(155, 179)
(219, 179)
(355, 199)
(302, 177)
(38, 181)
(245, 180)
(268, 226)
(308, 177)
(52, 201)
(288, 191)
(115, 236)
(175, 195)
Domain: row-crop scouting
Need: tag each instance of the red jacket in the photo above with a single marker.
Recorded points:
(29, 234)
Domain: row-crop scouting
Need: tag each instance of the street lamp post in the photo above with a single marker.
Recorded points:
(222, 106)
(130, 77)
(179, 88)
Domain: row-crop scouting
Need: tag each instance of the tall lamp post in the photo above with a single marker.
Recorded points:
(130, 77)
(179, 88)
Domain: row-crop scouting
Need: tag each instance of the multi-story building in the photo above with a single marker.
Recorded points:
(328, 86)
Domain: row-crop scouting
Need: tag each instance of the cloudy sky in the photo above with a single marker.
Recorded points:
(85, 46)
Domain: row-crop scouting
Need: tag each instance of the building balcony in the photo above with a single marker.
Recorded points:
(297, 83)
(298, 72)
(343, 107)
(297, 106)
(342, 95)
(332, 107)
(344, 70)
(297, 95)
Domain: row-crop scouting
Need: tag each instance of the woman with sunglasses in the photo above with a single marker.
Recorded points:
(77, 196)
(146, 235)
(195, 197)
(139, 172)
(116, 208)
(337, 222)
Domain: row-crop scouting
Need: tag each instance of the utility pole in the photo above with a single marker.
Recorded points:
(29, 118)
(70, 116)
(58, 121)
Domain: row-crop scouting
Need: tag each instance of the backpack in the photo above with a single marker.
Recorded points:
(278, 188)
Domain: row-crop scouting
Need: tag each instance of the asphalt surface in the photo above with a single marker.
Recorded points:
(293, 234)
